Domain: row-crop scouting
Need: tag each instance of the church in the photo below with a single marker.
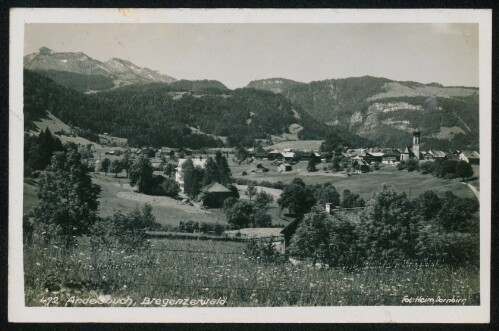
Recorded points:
(414, 151)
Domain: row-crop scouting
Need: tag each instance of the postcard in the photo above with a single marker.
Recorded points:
(250, 165)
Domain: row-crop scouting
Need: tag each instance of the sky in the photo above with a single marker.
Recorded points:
(236, 54)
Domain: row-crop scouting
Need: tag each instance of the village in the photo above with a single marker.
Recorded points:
(270, 170)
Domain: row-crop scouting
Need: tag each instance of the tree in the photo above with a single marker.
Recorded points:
(324, 238)
(262, 219)
(263, 200)
(251, 190)
(311, 239)
(126, 162)
(240, 213)
(387, 225)
(352, 200)
(115, 167)
(457, 213)
(426, 167)
(123, 229)
(412, 164)
(192, 178)
(211, 173)
(169, 170)
(241, 153)
(67, 197)
(169, 187)
(464, 170)
(327, 194)
(297, 197)
(39, 150)
(223, 168)
(311, 165)
(104, 166)
(428, 205)
(140, 174)
(172, 154)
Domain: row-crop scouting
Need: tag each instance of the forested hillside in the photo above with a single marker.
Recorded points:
(387, 111)
(181, 114)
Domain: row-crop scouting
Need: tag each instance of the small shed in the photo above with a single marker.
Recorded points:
(284, 167)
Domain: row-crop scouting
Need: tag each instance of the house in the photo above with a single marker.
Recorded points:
(260, 168)
(179, 176)
(284, 167)
(390, 157)
(438, 155)
(306, 156)
(472, 157)
(165, 151)
(374, 157)
(261, 155)
(214, 195)
(288, 156)
(433, 155)
(275, 155)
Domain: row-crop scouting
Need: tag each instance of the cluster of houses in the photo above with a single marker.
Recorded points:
(366, 156)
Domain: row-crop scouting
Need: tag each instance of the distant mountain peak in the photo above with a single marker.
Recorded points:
(45, 51)
(122, 72)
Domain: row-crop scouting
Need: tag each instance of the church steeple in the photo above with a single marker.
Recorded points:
(416, 136)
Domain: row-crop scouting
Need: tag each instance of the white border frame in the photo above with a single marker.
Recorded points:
(401, 314)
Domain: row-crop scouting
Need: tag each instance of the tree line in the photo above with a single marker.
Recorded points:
(392, 228)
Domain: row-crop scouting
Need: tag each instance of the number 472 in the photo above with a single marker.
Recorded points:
(50, 300)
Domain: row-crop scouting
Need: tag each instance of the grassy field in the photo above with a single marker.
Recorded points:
(413, 183)
(177, 269)
(313, 145)
(118, 195)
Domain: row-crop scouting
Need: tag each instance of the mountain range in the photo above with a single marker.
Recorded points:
(365, 110)
(387, 111)
(114, 72)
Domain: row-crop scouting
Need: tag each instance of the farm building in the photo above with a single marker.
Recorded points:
(164, 151)
(214, 195)
(275, 155)
(433, 155)
(374, 157)
(284, 167)
(471, 157)
(391, 157)
(288, 156)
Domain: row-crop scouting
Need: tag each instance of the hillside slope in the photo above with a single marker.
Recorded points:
(387, 111)
(161, 114)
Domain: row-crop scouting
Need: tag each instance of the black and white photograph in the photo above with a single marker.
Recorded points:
(250, 165)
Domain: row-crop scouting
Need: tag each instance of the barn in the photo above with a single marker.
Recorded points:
(214, 195)
(471, 157)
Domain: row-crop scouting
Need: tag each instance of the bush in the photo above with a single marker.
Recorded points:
(401, 165)
(412, 164)
(426, 167)
(264, 252)
(127, 230)
(169, 187)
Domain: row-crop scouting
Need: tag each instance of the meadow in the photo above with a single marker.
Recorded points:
(178, 269)
(412, 183)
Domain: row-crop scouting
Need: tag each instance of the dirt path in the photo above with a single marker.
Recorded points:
(473, 189)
